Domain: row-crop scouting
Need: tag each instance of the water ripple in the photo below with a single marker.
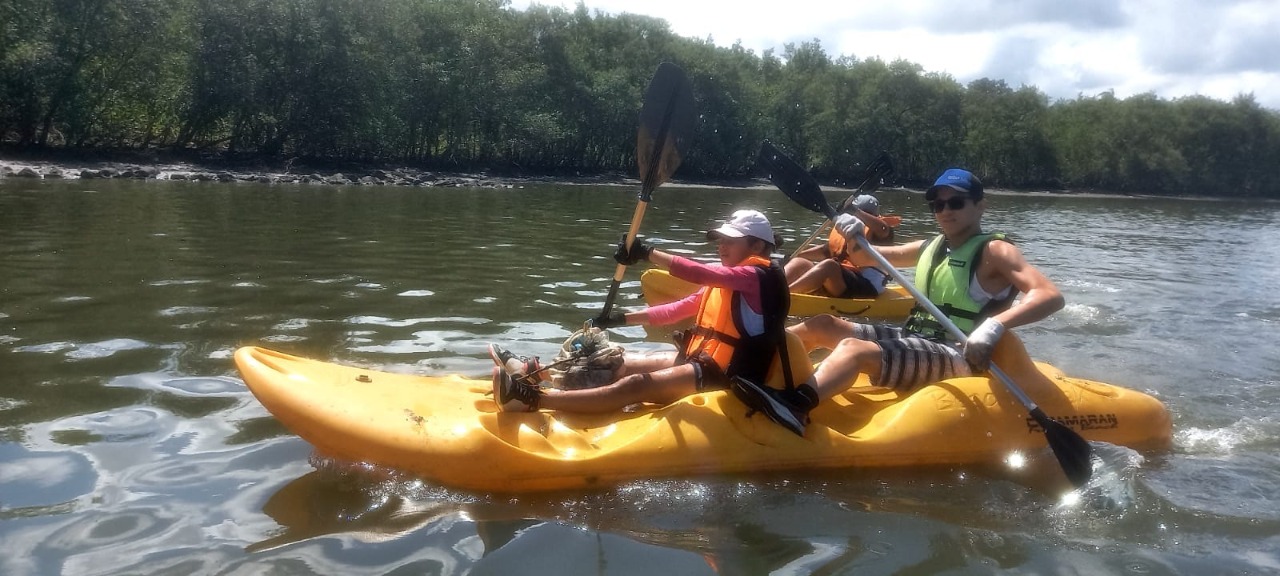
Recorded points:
(1248, 433)
(106, 348)
(41, 479)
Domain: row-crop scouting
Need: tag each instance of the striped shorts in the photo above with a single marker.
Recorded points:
(908, 361)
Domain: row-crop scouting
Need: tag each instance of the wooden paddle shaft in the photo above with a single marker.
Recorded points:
(636, 218)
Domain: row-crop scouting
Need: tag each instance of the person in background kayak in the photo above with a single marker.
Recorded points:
(829, 268)
(970, 275)
(739, 320)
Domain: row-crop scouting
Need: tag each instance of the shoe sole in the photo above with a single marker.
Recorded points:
(497, 386)
(498, 399)
(526, 367)
(761, 401)
(495, 353)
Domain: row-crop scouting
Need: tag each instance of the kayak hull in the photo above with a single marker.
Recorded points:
(660, 287)
(447, 429)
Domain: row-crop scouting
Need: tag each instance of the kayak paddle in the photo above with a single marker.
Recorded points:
(877, 170)
(1071, 450)
(666, 124)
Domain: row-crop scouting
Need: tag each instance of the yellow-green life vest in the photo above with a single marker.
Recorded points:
(944, 276)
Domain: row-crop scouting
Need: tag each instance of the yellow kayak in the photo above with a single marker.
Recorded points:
(448, 430)
(660, 287)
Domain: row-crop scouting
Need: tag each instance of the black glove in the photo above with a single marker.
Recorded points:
(610, 320)
(639, 251)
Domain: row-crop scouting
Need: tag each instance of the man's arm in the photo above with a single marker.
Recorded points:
(1004, 265)
(898, 255)
(877, 229)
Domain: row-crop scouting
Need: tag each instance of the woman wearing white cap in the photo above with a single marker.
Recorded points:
(739, 320)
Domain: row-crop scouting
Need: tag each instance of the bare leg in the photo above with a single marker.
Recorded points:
(646, 363)
(662, 386)
(796, 268)
(826, 275)
(822, 331)
(848, 359)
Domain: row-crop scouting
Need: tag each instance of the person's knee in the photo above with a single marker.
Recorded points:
(863, 353)
(826, 324)
(632, 383)
(828, 266)
(818, 331)
(796, 268)
(809, 325)
(855, 348)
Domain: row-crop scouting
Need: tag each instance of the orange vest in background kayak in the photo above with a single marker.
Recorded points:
(836, 245)
(836, 242)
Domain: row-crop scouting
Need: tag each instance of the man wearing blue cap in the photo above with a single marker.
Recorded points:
(970, 275)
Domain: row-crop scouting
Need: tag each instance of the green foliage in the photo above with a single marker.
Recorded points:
(474, 84)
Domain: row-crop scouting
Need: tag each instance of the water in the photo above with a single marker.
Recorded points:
(128, 444)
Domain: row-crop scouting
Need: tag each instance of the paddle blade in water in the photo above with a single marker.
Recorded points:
(1073, 451)
(666, 127)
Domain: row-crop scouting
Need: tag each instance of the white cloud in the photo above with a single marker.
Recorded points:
(1216, 48)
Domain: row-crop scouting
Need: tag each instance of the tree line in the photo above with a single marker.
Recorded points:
(475, 84)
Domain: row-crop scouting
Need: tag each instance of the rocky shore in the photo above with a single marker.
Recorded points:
(286, 174)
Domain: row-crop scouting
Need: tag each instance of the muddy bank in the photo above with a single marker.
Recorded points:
(141, 168)
(48, 169)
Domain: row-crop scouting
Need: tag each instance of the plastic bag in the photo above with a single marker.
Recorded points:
(587, 359)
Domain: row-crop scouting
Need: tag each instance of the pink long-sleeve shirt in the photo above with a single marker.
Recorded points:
(744, 280)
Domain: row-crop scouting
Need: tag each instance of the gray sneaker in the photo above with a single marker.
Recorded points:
(513, 395)
(519, 365)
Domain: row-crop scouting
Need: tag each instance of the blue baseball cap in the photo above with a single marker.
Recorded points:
(957, 179)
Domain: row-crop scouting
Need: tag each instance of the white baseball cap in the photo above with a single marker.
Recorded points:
(744, 223)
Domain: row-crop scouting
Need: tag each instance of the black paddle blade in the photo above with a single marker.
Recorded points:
(793, 180)
(877, 170)
(666, 127)
(1073, 451)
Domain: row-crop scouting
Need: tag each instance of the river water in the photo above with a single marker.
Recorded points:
(128, 443)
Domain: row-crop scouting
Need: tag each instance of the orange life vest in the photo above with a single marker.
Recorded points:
(718, 332)
(836, 245)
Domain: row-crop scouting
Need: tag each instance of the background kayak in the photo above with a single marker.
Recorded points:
(660, 287)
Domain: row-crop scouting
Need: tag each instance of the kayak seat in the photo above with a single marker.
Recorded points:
(801, 369)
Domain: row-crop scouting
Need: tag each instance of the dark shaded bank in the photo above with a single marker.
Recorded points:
(156, 165)
(286, 173)
(161, 166)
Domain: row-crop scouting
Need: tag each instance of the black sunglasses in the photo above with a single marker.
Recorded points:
(954, 203)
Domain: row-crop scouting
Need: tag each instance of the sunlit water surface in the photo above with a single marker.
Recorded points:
(128, 444)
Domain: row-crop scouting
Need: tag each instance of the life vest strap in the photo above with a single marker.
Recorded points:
(712, 334)
(922, 323)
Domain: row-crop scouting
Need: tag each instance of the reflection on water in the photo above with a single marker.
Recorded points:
(129, 445)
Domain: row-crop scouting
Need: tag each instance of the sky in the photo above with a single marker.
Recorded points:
(1066, 48)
